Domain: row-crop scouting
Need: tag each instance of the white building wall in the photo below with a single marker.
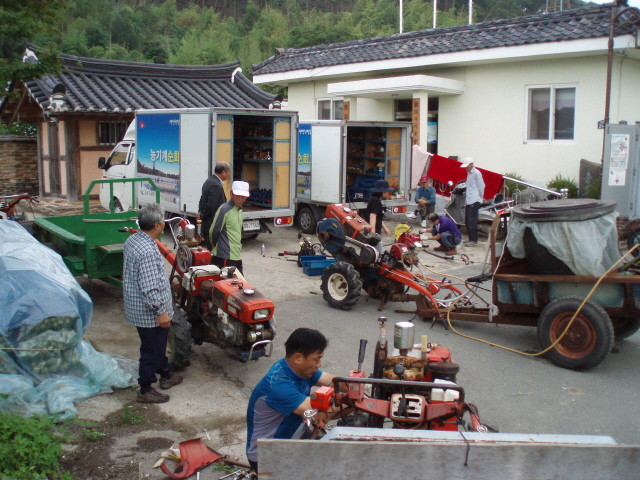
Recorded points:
(626, 97)
(302, 98)
(488, 121)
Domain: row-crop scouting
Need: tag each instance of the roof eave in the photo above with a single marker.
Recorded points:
(562, 49)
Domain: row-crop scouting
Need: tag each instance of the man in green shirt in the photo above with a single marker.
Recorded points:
(226, 231)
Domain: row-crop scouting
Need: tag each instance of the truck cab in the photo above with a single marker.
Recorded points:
(120, 164)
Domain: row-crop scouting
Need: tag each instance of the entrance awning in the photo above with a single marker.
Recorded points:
(396, 87)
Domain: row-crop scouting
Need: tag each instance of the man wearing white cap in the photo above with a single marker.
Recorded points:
(473, 200)
(226, 230)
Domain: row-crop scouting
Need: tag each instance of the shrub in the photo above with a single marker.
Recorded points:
(30, 448)
(559, 182)
(511, 186)
(593, 186)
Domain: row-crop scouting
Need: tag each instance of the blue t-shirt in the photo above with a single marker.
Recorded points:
(429, 194)
(270, 410)
(446, 225)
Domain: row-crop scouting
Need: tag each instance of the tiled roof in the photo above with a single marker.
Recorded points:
(110, 86)
(581, 23)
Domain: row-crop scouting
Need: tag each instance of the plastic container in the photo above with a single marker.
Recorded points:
(317, 267)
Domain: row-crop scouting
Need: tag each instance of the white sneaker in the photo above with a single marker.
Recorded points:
(423, 224)
(411, 215)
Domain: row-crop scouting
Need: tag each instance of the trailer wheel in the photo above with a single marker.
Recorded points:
(633, 238)
(307, 220)
(117, 206)
(588, 341)
(625, 327)
(180, 342)
(341, 285)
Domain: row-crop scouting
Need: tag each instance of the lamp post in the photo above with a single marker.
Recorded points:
(633, 19)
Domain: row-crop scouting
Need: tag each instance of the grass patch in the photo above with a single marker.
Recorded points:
(30, 447)
(93, 435)
(131, 417)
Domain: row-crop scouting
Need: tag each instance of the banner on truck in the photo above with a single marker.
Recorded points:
(158, 145)
(303, 182)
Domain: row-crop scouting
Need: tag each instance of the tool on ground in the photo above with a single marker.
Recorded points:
(194, 456)
(387, 276)
(212, 304)
(287, 252)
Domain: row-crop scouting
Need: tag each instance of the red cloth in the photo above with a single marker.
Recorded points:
(443, 169)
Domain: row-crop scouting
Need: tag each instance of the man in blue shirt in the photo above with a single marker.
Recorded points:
(281, 397)
(473, 199)
(446, 232)
(426, 200)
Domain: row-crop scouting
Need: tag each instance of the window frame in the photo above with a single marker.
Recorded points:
(117, 131)
(333, 101)
(552, 87)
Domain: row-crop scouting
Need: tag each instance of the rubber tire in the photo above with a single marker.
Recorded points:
(180, 341)
(592, 325)
(117, 206)
(625, 327)
(341, 285)
(484, 229)
(501, 233)
(307, 220)
(249, 236)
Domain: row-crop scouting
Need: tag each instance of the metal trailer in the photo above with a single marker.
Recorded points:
(90, 243)
(549, 302)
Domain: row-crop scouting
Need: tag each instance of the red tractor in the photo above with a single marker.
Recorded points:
(212, 305)
(387, 277)
(413, 388)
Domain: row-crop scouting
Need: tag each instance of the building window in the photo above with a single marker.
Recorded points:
(110, 133)
(552, 113)
(330, 109)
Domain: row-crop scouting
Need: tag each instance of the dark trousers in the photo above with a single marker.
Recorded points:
(254, 466)
(471, 220)
(153, 358)
(449, 240)
(205, 227)
(225, 262)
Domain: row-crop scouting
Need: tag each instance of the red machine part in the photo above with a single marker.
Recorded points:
(241, 301)
(353, 224)
(194, 455)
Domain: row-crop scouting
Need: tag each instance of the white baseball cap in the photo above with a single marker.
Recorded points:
(466, 162)
(240, 188)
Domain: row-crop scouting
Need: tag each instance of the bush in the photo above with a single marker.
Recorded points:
(30, 448)
(511, 186)
(559, 182)
(592, 189)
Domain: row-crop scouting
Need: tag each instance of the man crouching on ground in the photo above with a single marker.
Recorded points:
(281, 397)
(147, 303)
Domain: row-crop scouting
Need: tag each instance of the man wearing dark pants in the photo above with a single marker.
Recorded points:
(446, 232)
(212, 198)
(473, 199)
(148, 304)
(226, 231)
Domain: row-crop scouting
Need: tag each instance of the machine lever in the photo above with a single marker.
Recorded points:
(363, 347)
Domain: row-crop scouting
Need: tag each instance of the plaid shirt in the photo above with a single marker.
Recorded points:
(147, 292)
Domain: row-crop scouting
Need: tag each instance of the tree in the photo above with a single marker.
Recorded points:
(21, 21)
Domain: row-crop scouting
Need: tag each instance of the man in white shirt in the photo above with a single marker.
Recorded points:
(473, 200)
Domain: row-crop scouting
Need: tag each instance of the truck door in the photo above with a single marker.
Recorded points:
(120, 164)
(326, 163)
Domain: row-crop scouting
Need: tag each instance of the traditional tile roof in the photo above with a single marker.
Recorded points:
(110, 86)
(581, 23)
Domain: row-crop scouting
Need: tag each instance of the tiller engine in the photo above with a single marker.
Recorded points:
(387, 277)
(414, 388)
(213, 305)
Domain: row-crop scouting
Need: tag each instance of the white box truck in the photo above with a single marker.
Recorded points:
(291, 168)
(179, 148)
(339, 161)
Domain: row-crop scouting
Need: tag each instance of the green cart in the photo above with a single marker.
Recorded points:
(90, 243)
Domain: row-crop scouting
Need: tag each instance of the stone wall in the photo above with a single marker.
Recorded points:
(18, 165)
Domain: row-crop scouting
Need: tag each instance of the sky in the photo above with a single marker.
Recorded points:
(632, 3)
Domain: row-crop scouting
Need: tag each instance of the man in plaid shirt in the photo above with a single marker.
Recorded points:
(147, 303)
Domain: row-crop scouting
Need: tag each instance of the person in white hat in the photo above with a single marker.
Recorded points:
(473, 199)
(226, 230)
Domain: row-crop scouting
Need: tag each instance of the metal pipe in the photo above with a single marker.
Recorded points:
(546, 190)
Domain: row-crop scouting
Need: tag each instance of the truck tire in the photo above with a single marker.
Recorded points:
(117, 206)
(180, 342)
(341, 285)
(307, 220)
(625, 327)
(588, 341)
